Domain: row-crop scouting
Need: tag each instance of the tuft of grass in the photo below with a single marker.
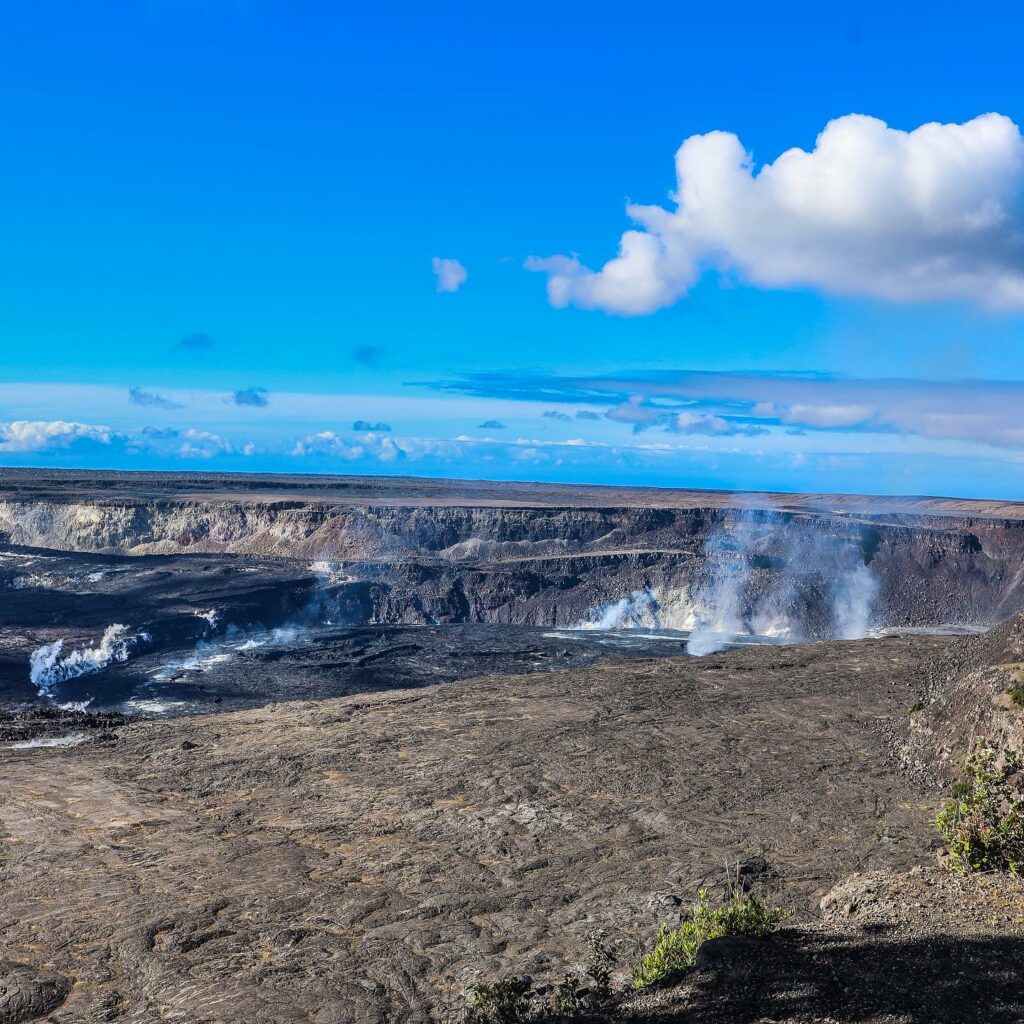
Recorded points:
(983, 819)
(675, 949)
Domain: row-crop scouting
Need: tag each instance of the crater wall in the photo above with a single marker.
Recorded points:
(558, 564)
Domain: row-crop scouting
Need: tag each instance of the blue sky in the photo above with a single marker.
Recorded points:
(232, 231)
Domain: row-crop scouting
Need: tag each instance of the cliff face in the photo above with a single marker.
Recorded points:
(311, 530)
(551, 565)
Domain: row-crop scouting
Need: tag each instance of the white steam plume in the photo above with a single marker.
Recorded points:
(638, 610)
(48, 667)
(852, 600)
(650, 608)
(731, 602)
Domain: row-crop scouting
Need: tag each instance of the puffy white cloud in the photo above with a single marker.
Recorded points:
(369, 446)
(203, 444)
(930, 214)
(451, 274)
(48, 435)
(464, 448)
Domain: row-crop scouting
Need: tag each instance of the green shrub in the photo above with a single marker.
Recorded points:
(600, 965)
(519, 1001)
(1016, 693)
(983, 821)
(509, 1001)
(675, 949)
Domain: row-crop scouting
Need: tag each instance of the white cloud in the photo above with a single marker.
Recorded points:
(451, 274)
(821, 415)
(369, 446)
(925, 215)
(203, 444)
(706, 423)
(981, 412)
(645, 416)
(47, 435)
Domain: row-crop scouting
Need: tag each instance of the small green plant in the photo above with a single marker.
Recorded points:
(600, 965)
(1016, 693)
(675, 949)
(983, 820)
(918, 705)
(508, 1001)
(519, 1001)
(568, 1000)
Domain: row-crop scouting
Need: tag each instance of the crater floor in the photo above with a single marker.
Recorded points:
(364, 858)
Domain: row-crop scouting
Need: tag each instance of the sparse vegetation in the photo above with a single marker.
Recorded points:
(507, 1001)
(1015, 691)
(589, 992)
(519, 1001)
(983, 820)
(675, 949)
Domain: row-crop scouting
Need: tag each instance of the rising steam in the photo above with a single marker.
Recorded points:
(650, 608)
(48, 667)
(759, 579)
(764, 580)
(852, 600)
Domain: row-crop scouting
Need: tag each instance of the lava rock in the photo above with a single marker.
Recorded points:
(27, 993)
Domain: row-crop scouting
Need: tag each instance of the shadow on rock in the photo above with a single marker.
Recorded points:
(854, 978)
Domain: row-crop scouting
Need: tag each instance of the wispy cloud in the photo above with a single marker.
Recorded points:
(643, 415)
(492, 425)
(743, 430)
(137, 396)
(722, 403)
(451, 274)
(931, 214)
(366, 425)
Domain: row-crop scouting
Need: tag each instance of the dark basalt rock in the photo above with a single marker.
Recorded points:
(727, 953)
(28, 993)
